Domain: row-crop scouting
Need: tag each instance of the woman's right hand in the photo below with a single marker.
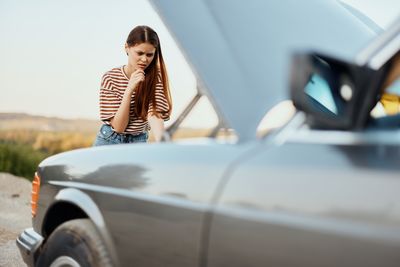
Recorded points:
(136, 77)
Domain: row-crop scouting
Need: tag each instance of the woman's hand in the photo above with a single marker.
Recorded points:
(157, 127)
(136, 77)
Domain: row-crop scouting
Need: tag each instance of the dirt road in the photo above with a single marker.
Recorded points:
(14, 217)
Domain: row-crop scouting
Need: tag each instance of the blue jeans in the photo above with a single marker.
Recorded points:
(107, 136)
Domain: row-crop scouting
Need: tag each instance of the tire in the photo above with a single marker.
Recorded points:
(75, 243)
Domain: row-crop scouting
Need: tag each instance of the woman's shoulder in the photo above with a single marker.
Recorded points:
(114, 72)
(111, 77)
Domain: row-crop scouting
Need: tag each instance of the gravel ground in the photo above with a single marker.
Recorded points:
(14, 216)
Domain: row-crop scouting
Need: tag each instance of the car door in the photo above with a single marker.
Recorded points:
(319, 200)
(322, 197)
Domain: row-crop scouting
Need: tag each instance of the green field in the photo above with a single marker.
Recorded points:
(22, 150)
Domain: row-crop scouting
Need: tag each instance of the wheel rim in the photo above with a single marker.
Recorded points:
(65, 261)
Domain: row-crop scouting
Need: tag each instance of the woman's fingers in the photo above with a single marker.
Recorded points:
(138, 75)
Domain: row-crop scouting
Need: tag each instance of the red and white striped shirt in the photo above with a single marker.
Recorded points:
(113, 85)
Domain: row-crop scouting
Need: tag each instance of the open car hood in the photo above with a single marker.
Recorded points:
(240, 50)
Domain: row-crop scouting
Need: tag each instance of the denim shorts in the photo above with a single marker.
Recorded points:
(107, 136)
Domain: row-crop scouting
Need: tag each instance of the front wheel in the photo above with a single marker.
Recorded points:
(75, 243)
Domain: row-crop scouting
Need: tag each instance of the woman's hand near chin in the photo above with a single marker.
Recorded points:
(136, 77)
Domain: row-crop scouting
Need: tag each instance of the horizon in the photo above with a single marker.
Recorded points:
(44, 116)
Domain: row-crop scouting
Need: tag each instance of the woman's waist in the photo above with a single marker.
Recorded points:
(131, 131)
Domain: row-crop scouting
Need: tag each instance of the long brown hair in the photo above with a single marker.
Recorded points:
(146, 91)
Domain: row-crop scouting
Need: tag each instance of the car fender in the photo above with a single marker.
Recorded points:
(87, 205)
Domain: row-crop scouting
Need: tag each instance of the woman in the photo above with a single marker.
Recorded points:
(135, 98)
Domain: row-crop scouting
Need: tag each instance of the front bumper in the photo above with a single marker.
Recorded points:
(28, 243)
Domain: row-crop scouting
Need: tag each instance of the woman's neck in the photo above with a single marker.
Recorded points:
(128, 70)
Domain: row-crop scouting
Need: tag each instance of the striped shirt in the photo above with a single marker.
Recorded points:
(113, 85)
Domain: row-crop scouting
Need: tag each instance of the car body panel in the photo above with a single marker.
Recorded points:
(240, 51)
(319, 204)
(159, 196)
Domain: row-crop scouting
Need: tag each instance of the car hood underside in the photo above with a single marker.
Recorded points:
(240, 50)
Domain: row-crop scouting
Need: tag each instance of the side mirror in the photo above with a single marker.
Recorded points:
(333, 93)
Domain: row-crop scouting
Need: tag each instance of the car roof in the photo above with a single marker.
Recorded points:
(240, 50)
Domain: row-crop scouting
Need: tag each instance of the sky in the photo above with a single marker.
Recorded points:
(53, 53)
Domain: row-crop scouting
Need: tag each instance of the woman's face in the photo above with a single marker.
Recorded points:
(141, 55)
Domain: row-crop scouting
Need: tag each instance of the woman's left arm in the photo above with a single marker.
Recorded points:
(157, 127)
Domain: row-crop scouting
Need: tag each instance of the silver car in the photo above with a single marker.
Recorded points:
(321, 190)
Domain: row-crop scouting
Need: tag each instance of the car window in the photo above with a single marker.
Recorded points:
(318, 90)
(325, 96)
(390, 99)
(389, 102)
(326, 90)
